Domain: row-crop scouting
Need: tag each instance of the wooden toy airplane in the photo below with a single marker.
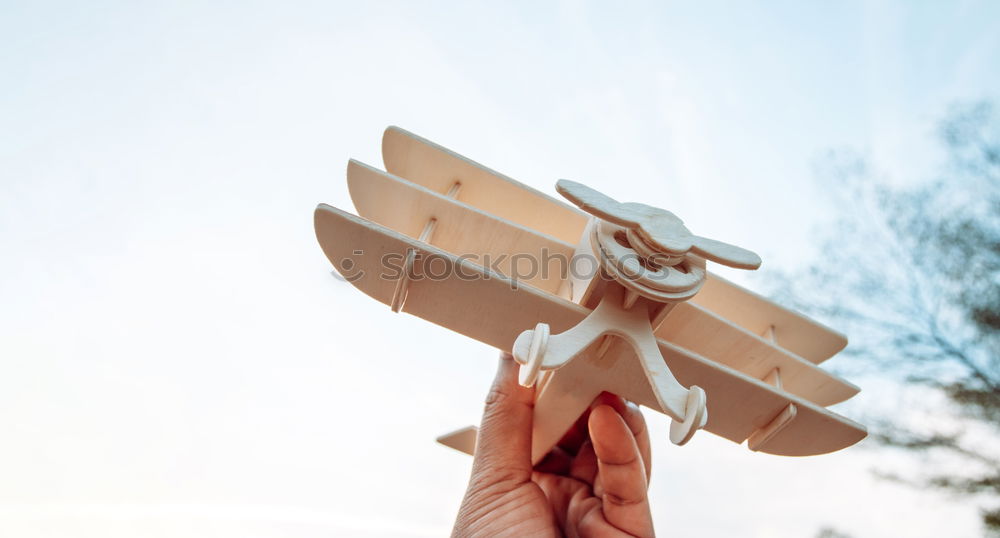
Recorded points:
(453, 242)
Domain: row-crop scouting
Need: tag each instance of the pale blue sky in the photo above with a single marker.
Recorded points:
(177, 360)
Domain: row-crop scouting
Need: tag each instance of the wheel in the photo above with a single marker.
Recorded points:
(695, 417)
(528, 374)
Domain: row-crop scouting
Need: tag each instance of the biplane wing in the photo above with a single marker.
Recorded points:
(435, 167)
(468, 298)
(487, 239)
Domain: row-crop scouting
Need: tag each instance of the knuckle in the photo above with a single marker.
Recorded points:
(496, 396)
(617, 500)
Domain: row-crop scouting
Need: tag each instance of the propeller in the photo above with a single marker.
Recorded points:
(659, 228)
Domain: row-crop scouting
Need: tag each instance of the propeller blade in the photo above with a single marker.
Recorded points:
(725, 254)
(598, 204)
(659, 227)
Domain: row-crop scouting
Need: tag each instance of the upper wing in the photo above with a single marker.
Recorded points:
(436, 168)
(467, 298)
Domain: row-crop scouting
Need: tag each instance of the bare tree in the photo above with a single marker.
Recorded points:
(912, 274)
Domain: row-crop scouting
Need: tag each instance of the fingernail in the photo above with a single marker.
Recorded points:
(504, 364)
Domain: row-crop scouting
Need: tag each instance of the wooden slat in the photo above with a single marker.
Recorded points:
(803, 336)
(435, 167)
(505, 247)
(695, 327)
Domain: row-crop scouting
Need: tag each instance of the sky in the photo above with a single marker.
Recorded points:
(177, 359)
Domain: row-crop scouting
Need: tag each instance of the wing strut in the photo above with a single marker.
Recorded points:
(403, 283)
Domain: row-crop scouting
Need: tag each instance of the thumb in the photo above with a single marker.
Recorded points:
(504, 442)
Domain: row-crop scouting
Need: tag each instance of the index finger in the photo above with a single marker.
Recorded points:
(634, 420)
(622, 472)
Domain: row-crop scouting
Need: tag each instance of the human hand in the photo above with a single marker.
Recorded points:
(593, 483)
